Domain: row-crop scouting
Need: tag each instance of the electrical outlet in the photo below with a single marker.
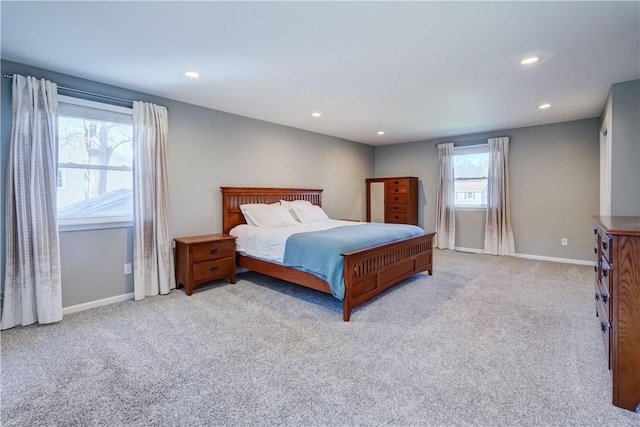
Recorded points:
(127, 268)
(564, 241)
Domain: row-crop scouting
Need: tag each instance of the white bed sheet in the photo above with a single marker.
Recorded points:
(269, 243)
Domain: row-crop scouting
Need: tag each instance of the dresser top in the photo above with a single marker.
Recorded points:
(623, 225)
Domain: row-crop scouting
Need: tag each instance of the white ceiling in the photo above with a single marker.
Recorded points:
(417, 70)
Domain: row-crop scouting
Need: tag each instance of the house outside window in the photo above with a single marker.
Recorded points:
(95, 164)
(471, 168)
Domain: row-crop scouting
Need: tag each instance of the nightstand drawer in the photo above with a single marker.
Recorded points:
(213, 250)
(212, 270)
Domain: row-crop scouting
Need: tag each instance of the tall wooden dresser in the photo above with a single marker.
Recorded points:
(617, 299)
(400, 199)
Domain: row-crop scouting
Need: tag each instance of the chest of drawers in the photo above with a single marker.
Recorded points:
(400, 199)
(617, 300)
(202, 259)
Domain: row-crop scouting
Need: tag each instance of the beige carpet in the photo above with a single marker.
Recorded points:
(484, 341)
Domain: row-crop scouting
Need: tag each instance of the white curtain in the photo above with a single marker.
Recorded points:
(32, 284)
(498, 239)
(153, 264)
(445, 199)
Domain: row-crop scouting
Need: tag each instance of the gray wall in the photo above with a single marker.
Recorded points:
(554, 186)
(625, 148)
(207, 149)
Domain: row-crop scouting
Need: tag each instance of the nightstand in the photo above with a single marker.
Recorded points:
(202, 259)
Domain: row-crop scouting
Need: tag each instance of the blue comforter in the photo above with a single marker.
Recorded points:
(319, 252)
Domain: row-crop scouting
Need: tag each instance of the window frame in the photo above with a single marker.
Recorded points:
(103, 222)
(466, 150)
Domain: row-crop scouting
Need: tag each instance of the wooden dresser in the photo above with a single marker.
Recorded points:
(617, 299)
(400, 199)
(202, 259)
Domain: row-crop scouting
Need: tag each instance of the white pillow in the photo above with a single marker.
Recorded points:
(270, 216)
(248, 206)
(289, 205)
(309, 213)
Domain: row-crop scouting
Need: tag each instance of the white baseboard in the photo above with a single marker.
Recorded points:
(536, 257)
(98, 303)
(471, 250)
(554, 259)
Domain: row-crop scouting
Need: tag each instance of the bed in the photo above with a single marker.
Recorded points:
(367, 272)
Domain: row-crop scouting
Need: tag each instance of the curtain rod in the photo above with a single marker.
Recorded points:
(471, 142)
(84, 92)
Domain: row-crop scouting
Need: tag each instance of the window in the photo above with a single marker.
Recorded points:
(470, 169)
(95, 164)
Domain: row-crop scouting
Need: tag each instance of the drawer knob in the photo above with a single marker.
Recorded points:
(595, 268)
(396, 190)
(396, 208)
(595, 250)
(396, 216)
(214, 268)
(604, 298)
(605, 273)
(597, 297)
(604, 245)
(396, 199)
(603, 326)
(595, 231)
(213, 251)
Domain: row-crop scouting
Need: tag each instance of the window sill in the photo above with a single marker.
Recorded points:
(93, 224)
(471, 208)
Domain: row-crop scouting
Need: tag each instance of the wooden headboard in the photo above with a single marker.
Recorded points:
(233, 197)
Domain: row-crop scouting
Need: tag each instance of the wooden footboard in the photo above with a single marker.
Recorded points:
(370, 271)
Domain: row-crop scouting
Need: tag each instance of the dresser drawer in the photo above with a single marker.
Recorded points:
(212, 270)
(602, 295)
(395, 217)
(396, 189)
(396, 198)
(396, 207)
(398, 181)
(605, 329)
(213, 250)
(605, 274)
(605, 244)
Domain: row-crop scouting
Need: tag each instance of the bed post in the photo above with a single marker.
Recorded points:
(346, 307)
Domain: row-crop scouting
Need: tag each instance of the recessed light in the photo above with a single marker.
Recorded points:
(380, 132)
(192, 74)
(530, 60)
(544, 106)
(316, 114)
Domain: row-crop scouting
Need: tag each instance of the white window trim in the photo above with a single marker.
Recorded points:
(94, 104)
(94, 223)
(478, 208)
